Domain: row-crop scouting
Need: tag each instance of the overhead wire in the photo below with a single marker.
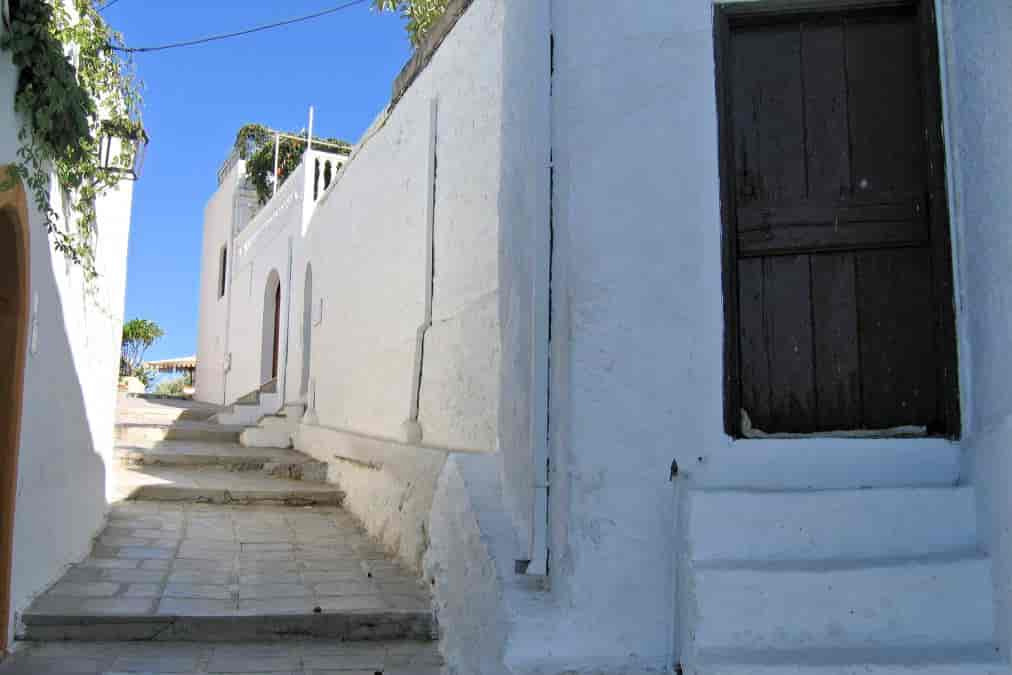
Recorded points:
(248, 31)
(107, 5)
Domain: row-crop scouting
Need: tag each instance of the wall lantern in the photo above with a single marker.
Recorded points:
(121, 148)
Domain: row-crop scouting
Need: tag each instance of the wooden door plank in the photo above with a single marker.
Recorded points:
(768, 114)
(898, 354)
(884, 104)
(826, 123)
(837, 355)
(755, 359)
(788, 316)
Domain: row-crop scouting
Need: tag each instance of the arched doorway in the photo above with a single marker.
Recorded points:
(271, 345)
(307, 330)
(13, 345)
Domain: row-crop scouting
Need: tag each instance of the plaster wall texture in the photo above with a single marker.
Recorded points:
(212, 323)
(64, 471)
(979, 98)
(636, 319)
(368, 242)
(264, 251)
(524, 252)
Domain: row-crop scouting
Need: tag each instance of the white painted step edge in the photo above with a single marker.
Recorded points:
(927, 604)
(830, 524)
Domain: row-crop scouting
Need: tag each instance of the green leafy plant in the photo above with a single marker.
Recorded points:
(174, 387)
(420, 14)
(138, 336)
(255, 144)
(70, 84)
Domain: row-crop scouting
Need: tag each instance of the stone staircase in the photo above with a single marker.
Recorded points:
(883, 581)
(212, 541)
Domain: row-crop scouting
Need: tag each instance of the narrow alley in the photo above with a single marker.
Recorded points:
(245, 547)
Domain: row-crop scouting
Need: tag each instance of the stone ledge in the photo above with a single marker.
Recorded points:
(347, 626)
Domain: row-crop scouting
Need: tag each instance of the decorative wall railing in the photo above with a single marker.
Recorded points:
(307, 184)
(228, 165)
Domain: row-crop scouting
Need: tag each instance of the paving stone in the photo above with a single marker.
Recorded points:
(351, 603)
(270, 578)
(144, 552)
(154, 564)
(205, 591)
(263, 579)
(265, 591)
(98, 589)
(134, 576)
(194, 565)
(207, 578)
(109, 563)
(167, 663)
(346, 657)
(353, 587)
(195, 607)
(302, 605)
(142, 591)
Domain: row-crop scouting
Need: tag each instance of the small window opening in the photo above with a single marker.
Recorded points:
(223, 271)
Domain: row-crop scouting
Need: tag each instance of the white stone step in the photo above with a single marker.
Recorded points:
(179, 431)
(239, 414)
(219, 486)
(920, 604)
(832, 463)
(277, 422)
(278, 462)
(256, 437)
(831, 524)
(270, 403)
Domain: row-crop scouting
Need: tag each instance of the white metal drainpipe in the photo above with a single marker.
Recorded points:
(539, 544)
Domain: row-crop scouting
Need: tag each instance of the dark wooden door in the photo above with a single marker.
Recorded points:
(836, 214)
(14, 282)
(276, 345)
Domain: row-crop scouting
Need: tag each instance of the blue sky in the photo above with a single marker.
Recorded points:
(196, 98)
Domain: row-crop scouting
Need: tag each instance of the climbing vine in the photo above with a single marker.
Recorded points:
(72, 87)
(419, 14)
(255, 144)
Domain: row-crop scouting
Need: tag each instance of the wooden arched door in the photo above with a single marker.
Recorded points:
(13, 346)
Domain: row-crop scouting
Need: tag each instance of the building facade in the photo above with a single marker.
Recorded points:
(60, 342)
(660, 336)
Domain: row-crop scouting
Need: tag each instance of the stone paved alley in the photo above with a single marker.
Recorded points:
(223, 559)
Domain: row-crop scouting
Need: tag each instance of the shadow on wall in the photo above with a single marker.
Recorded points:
(61, 495)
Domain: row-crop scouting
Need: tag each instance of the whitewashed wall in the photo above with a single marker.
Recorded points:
(979, 107)
(636, 318)
(262, 248)
(212, 325)
(368, 244)
(71, 373)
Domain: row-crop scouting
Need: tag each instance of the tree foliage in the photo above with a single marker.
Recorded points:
(175, 386)
(138, 336)
(255, 144)
(420, 14)
(70, 84)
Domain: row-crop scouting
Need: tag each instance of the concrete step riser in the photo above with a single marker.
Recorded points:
(903, 606)
(358, 626)
(306, 471)
(255, 437)
(156, 434)
(169, 493)
(831, 525)
(239, 414)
